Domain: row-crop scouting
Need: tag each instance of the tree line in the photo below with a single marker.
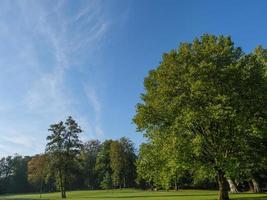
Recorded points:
(70, 164)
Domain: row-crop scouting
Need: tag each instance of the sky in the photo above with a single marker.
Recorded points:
(88, 59)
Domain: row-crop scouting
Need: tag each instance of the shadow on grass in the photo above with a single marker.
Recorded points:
(251, 198)
(176, 197)
(24, 199)
(145, 196)
(161, 196)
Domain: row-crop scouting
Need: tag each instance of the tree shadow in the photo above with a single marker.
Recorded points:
(25, 199)
(251, 198)
(146, 196)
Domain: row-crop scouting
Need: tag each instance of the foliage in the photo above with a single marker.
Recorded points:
(63, 148)
(13, 174)
(88, 161)
(115, 163)
(212, 97)
(103, 165)
(37, 171)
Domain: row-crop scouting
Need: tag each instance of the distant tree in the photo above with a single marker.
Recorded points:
(129, 162)
(106, 182)
(17, 178)
(211, 94)
(116, 162)
(6, 172)
(88, 161)
(63, 148)
(37, 171)
(103, 165)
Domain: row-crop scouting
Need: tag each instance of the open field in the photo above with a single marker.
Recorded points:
(137, 195)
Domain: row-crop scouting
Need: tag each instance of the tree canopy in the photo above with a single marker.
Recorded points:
(212, 96)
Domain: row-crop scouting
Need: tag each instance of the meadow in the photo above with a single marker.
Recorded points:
(137, 195)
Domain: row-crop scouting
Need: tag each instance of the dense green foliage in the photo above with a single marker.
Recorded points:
(13, 175)
(62, 150)
(137, 195)
(206, 106)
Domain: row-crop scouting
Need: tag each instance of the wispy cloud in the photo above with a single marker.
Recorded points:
(96, 104)
(45, 50)
(17, 140)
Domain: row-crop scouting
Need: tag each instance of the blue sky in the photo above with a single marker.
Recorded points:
(88, 59)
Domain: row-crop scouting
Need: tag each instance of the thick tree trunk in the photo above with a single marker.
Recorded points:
(232, 185)
(256, 186)
(223, 192)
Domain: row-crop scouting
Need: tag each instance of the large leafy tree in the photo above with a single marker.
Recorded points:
(63, 148)
(211, 94)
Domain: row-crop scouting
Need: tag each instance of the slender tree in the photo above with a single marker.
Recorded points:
(116, 163)
(63, 148)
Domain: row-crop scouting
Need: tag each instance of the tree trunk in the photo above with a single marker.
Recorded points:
(250, 184)
(62, 187)
(223, 192)
(175, 185)
(256, 186)
(41, 188)
(64, 194)
(232, 185)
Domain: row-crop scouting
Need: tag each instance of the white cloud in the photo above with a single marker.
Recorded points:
(49, 89)
(17, 141)
(95, 103)
(44, 50)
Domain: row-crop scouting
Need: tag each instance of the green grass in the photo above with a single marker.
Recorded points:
(136, 195)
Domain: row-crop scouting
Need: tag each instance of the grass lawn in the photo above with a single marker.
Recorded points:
(136, 195)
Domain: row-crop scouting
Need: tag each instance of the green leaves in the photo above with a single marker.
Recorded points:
(63, 148)
(210, 95)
